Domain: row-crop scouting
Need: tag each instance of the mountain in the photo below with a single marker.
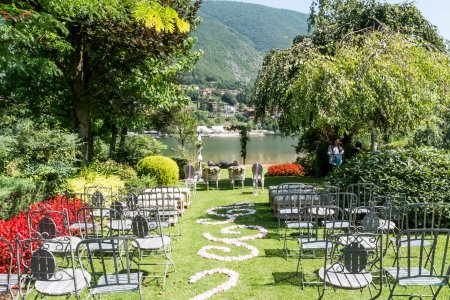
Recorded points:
(235, 36)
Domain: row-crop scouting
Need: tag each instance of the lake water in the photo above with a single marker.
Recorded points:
(265, 149)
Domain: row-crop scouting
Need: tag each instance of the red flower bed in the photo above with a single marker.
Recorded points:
(18, 225)
(286, 170)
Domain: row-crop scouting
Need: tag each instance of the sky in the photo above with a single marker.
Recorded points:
(435, 11)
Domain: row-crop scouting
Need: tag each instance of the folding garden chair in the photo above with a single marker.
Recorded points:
(113, 264)
(155, 247)
(420, 264)
(351, 265)
(364, 192)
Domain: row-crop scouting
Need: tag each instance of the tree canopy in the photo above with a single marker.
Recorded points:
(367, 65)
(94, 66)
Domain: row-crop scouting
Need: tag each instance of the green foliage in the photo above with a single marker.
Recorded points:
(16, 194)
(181, 162)
(422, 174)
(77, 184)
(140, 183)
(108, 168)
(163, 169)
(43, 154)
(234, 37)
(137, 147)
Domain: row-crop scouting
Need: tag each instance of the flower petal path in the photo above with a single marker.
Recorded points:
(232, 212)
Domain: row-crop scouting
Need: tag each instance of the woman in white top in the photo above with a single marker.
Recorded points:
(335, 153)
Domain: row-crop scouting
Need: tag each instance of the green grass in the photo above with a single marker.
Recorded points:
(269, 275)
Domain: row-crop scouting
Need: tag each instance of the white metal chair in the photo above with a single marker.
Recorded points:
(257, 176)
(191, 177)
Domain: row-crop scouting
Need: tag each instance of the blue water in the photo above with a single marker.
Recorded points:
(264, 149)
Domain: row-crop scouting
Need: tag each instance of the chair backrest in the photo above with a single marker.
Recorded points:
(47, 224)
(147, 222)
(288, 208)
(347, 201)
(114, 270)
(257, 170)
(320, 220)
(354, 259)
(364, 192)
(189, 171)
(423, 215)
(100, 222)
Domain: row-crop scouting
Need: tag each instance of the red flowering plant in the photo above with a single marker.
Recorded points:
(18, 225)
(286, 170)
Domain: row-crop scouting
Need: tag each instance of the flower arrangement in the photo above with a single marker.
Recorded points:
(17, 226)
(286, 170)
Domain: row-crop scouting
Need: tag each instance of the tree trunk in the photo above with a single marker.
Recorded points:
(374, 135)
(112, 142)
(123, 136)
(81, 104)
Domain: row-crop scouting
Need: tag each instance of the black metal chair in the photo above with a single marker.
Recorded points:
(420, 264)
(288, 215)
(351, 265)
(364, 192)
(52, 275)
(318, 220)
(113, 264)
(155, 246)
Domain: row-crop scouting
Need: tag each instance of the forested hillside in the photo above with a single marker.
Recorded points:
(235, 36)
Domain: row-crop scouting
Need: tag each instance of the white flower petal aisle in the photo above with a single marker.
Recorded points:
(232, 212)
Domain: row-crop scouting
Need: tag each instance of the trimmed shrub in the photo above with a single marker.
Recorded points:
(286, 170)
(16, 194)
(422, 174)
(163, 169)
(181, 162)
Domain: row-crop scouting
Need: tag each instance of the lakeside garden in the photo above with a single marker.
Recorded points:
(77, 77)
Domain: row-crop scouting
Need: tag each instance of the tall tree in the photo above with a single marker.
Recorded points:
(293, 82)
(62, 58)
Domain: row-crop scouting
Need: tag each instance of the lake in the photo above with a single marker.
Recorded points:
(270, 149)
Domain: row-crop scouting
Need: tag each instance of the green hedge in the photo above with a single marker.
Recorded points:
(163, 169)
(422, 174)
(16, 194)
(181, 162)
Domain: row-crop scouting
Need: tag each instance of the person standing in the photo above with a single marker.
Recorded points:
(335, 153)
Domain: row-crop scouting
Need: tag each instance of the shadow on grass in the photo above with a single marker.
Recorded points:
(275, 253)
(286, 278)
(264, 216)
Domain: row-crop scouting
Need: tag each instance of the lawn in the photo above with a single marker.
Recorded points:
(268, 275)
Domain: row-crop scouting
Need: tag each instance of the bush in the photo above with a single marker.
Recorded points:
(76, 185)
(286, 170)
(181, 162)
(43, 154)
(140, 183)
(108, 168)
(16, 194)
(163, 169)
(422, 174)
(137, 147)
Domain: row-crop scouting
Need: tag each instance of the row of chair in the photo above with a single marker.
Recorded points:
(354, 231)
